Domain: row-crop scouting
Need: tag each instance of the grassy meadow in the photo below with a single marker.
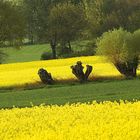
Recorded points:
(28, 53)
(61, 94)
(24, 53)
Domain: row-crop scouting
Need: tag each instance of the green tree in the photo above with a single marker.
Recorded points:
(36, 15)
(104, 15)
(66, 23)
(122, 49)
(30, 9)
(11, 24)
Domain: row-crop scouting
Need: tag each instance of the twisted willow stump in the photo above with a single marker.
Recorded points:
(77, 70)
(45, 77)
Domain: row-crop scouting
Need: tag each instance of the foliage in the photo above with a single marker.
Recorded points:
(113, 44)
(136, 41)
(36, 17)
(71, 121)
(104, 15)
(62, 21)
(36, 14)
(66, 21)
(63, 52)
(11, 24)
(46, 56)
(121, 48)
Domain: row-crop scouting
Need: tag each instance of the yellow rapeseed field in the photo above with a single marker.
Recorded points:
(25, 73)
(103, 121)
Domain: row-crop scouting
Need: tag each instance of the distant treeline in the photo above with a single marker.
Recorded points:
(62, 21)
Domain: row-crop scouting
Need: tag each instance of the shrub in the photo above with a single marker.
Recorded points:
(121, 49)
(46, 56)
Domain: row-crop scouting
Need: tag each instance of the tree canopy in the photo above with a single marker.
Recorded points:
(11, 23)
(104, 15)
(63, 21)
(122, 49)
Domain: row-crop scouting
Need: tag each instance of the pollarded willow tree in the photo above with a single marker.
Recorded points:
(122, 48)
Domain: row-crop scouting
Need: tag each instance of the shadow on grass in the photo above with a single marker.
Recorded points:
(64, 82)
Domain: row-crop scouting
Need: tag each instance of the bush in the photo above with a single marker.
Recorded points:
(63, 51)
(46, 56)
(90, 48)
(78, 49)
(121, 49)
(86, 49)
(136, 41)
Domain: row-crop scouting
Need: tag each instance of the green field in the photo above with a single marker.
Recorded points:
(33, 52)
(25, 53)
(72, 93)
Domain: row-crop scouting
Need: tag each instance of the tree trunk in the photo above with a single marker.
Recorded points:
(129, 68)
(63, 47)
(45, 77)
(53, 47)
(54, 52)
(70, 48)
(77, 70)
(31, 35)
(88, 71)
(31, 39)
